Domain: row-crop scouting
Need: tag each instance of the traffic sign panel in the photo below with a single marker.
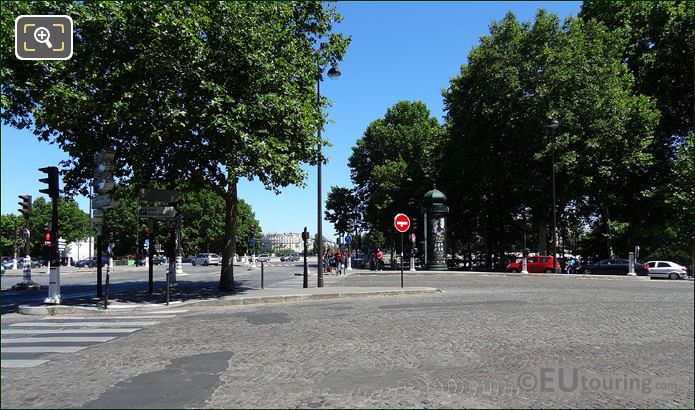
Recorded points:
(401, 222)
(172, 223)
(157, 212)
(348, 239)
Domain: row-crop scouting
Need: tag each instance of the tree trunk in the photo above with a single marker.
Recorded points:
(543, 238)
(227, 271)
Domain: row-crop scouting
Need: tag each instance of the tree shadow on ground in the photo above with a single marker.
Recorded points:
(123, 293)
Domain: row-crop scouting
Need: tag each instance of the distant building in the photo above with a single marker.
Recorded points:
(272, 241)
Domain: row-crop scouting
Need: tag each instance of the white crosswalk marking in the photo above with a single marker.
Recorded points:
(70, 334)
(93, 339)
(52, 331)
(43, 349)
(20, 364)
(109, 317)
(88, 324)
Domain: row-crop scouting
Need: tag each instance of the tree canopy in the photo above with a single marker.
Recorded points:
(207, 92)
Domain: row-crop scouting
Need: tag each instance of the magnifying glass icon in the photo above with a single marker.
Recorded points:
(42, 35)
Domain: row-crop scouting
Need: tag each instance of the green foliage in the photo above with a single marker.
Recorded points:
(498, 160)
(393, 165)
(206, 92)
(11, 226)
(284, 251)
(342, 209)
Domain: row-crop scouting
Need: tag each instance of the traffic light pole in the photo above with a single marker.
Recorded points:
(99, 258)
(150, 258)
(54, 264)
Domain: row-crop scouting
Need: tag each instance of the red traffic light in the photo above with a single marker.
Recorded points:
(148, 229)
(47, 239)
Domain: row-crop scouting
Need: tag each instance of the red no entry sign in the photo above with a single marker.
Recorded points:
(401, 222)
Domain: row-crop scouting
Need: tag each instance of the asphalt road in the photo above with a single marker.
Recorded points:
(486, 341)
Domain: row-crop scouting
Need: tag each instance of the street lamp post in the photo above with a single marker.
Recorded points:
(332, 73)
(553, 126)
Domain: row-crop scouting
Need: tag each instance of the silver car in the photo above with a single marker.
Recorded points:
(264, 257)
(206, 259)
(667, 269)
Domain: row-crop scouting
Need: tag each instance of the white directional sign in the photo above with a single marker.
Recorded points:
(157, 212)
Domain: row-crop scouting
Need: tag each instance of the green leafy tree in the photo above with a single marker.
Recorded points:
(343, 210)
(393, 165)
(11, 226)
(658, 38)
(206, 92)
(498, 159)
(73, 223)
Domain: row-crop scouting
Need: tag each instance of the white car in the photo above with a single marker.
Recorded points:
(666, 269)
(264, 257)
(206, 259)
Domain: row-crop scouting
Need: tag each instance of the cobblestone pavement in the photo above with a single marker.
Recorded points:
(483, 342)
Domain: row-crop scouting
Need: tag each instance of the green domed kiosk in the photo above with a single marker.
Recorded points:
(435, 212)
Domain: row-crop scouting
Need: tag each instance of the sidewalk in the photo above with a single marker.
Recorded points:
(500, 274)
(205, 294)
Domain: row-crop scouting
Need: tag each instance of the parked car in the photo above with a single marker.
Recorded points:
(535, 264)
(613, 267)
(2, 270)
(289, 257)
(187, 259)
(666, 269)
(156, 260)
(92, 263)
(206, 259)
(264, 257)
(7, 264)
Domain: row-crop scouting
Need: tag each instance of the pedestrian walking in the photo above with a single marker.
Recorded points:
(379, 258)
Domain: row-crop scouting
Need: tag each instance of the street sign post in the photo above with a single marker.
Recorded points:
(402, 223)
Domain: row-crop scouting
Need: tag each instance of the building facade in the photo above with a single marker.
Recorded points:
(272, 241)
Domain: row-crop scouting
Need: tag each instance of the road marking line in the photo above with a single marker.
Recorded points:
(108, 317)
(72, 339)
(87, 324)
(43, 349)
(163, 312)
(19, 364)
(52, 331)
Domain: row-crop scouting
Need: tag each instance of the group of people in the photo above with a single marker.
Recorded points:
(336, 262)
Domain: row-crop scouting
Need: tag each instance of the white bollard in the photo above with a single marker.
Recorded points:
(349, 262)
(246, 260)
(412, 264)
(53, 285)
(524, 267)
(26, 272)
(179, 265)
(14, 261)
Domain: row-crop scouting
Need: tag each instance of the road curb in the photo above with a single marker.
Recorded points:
(286, 296)
(506, 274)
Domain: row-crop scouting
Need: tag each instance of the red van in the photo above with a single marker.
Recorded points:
(535, 264)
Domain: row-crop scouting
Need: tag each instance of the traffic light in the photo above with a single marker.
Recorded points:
(47, 246)
(52, 180)
(414, 224)
(25, 205)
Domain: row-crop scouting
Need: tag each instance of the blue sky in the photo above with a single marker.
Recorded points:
(399, 51)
